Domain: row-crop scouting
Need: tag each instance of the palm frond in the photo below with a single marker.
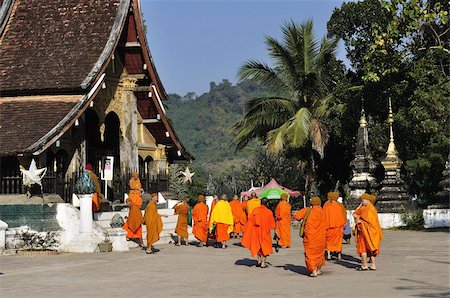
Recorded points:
(276, 139)
(262, 74)
(319, 136)
(299, 127)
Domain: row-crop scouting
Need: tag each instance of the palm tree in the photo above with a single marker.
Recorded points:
(300, 84)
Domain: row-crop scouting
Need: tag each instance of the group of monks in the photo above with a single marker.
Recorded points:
(322, 228)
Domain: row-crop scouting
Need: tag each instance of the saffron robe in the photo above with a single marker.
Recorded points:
(314, 240)
(238, 216)
(336, 219)
(252, 204)
(283, 215)
(135, 191)
(200, 217)
(153, 222)
(257, 236)
(182, 211)
(133, 225)
(368, 232)
(96, 198)
(244, 208)
(222, 217)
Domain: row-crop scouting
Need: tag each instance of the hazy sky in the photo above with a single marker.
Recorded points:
(194, 42)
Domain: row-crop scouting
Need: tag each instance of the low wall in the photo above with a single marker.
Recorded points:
(434, 218)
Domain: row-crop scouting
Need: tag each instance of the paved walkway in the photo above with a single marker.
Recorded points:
(412, 264)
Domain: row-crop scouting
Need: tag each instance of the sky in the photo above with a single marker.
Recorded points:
(195, 42)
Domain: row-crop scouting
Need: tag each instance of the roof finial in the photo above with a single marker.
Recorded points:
(391, 151)
(362, 119)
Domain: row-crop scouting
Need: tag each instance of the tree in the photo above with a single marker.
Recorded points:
(293, 116)
(176, 185)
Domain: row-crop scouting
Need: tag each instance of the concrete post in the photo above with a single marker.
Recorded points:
(3, 227)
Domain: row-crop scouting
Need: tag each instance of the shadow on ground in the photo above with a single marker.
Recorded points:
(246, 262)
(294, 268)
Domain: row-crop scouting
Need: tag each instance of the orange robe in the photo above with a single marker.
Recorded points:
(238, 216)
(96, 199)
(200, 217)
(283, 214)
(133, 225)
(153, 222)
(222, 217)
(336, 219)
(244, 208)
(314, 240)
(368, 232)
(257, 236)
(252, 204)
(135, 191)
(182, 223)
(213, 204)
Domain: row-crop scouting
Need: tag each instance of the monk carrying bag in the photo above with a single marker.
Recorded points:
(302, 227)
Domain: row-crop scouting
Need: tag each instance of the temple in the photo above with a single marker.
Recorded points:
(78, 83)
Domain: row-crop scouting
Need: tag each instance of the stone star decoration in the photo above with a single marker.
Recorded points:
(33, 175)
(187, 175)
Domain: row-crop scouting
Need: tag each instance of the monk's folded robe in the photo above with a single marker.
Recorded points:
(238, 216)
(314, 240)
(222, 217)
(133, 225)
(252, 204)
(368, 232)
(96, 198)
(200, 217)
(182, 211)
(283, 215)
(335, 218)
(257, 237)
(153, 223)
(135, 191)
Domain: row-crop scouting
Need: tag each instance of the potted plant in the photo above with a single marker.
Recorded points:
(84, 185)
(106, 245)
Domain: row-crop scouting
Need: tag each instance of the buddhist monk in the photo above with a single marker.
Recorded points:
(257, 237)
(152, 219)
(336, 219)
(238, 216)
(222, 221)
(182, 210)
(135, 189)
(315, 236)
(368, 232)
(133, 225)
(97, 197)
(283, 215)
(200, 217)
(253, 203)
(244, 205)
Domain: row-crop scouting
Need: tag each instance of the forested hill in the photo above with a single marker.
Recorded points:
(204, 124)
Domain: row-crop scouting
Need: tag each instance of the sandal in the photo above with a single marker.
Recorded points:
(362, 269)
(149, 252)
(372, 269)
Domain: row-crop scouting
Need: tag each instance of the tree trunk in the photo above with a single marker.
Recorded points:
(310, 181)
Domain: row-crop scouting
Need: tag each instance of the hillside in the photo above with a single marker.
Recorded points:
(204, 124)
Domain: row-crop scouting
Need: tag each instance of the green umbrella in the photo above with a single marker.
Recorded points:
(272, 193)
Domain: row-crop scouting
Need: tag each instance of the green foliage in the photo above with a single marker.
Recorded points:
(413, 220)
(176, 185)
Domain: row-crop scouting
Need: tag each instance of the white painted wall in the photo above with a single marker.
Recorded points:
(3, 227)
(436, 218)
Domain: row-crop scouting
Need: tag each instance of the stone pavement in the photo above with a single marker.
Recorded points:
(412, 264)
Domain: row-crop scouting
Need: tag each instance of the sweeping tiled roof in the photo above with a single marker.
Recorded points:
(24, 120)
(53, 45)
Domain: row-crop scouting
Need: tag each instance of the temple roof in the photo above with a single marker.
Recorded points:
(53, 45)
(62, 48)
(33, 118)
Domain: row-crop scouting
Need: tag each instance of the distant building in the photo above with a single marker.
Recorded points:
(77, 83)
(189, 96)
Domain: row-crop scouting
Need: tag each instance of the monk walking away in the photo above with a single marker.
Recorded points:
(336, 219)
(221, 221)
(257, 236)
(133, 225)
(368, 232)
(239, 217)
(253, 203)
(152, 219)
(314, 233)
(200, 218)
(182, 210)
(135, 189)
(97, 196)
(283, 215)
